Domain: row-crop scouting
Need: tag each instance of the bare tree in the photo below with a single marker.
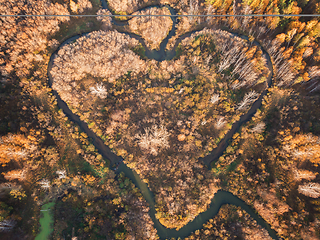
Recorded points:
(181, 90)
(19, 174)
(62, 173)
(7, 225)
(229, 57)
(45, 184)
(4, 186)
(106, 21)
(154, 139)
(220, 122)
(249, 98)
(18, 154)
(314, 75)
(284, 72)
(303, 153)
(214, 98)
(245, 20)
(237, 85)
(207, 61)
(99, 90)
(310, 190)
(193, 10)
(259, 127)
(210, 11)
(303, 174)
(308, 52)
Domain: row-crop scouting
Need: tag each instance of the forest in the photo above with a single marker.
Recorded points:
(235, 109)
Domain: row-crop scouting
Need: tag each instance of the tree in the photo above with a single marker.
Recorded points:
(106, 21)
(245, 20)
(18, 194)
(23, 39)
(290, 35)
(220, 122)
(305, 147)
(284, 70)
(303, 174)
(13, 147)
(152, 29)
(103, 54)
(249, 98)
(80, 6)
(45, 184)
(154, 139)
(214, 98)
(238, 54)
(193, 10)
(99, 90)
(126, 6)
(308, 52)
(5, 186)
(314, 75)
(18, 174)
(62, 174)
(7, 225)
(310, 190)
(259, 128)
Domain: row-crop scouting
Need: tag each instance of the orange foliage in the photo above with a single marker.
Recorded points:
(18, 174)
(305, 147)
(13, 147)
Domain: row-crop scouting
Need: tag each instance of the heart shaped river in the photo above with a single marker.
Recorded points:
(164, 118)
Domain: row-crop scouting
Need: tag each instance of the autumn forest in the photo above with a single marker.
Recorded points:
(159, 120)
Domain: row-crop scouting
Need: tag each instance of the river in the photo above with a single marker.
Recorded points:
(221, 197)
(46, 221)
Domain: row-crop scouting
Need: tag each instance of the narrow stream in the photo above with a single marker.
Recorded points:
(221, 197)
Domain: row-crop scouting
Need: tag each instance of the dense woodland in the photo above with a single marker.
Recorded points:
(161, 117)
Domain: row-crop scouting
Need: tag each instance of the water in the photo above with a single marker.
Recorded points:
(46, 222)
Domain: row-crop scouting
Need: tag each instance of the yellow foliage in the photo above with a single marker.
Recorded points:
(198, 143)
(13, 147)
(305, 147)
(255, 4)
(17, 194)
(281, 37)
(305, 77)
(122, 152)
(88, 179)
(287, 138)
(310, 25)
(304, 42)
(216, 3)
